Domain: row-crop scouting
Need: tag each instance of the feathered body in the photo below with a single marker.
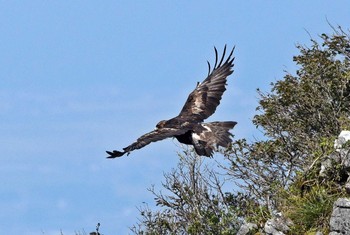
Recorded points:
(188, 127)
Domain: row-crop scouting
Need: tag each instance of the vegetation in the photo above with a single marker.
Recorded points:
(300, 118)
(196, 203)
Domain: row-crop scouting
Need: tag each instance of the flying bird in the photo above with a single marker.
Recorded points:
(188, 127)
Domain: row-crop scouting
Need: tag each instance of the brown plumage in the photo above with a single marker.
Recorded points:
(188, 127)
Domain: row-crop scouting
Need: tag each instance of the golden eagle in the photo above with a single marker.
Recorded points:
(188, 127)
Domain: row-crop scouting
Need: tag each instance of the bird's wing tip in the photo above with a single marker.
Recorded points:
(114, 154)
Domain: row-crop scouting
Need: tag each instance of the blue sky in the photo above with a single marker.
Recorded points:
(81, 77)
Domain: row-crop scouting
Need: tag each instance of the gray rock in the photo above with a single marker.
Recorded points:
(343, 137)
(340, 218)
(270, 229)
(339, 158)
(278, 225)
(347, 185)
(246, 228)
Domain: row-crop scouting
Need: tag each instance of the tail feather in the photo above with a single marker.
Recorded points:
(221, 132)
(211, 136)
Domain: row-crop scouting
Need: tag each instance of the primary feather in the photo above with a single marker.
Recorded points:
(202, 102)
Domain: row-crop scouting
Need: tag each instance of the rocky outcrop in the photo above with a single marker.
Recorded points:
(279, 225)
(343, 137)
(340, 219)
(338, 162)
(246, 228)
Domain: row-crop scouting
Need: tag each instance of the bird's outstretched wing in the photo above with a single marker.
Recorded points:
(202, 102)
(153, 136)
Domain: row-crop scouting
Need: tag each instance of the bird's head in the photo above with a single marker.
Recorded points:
(161, 124)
